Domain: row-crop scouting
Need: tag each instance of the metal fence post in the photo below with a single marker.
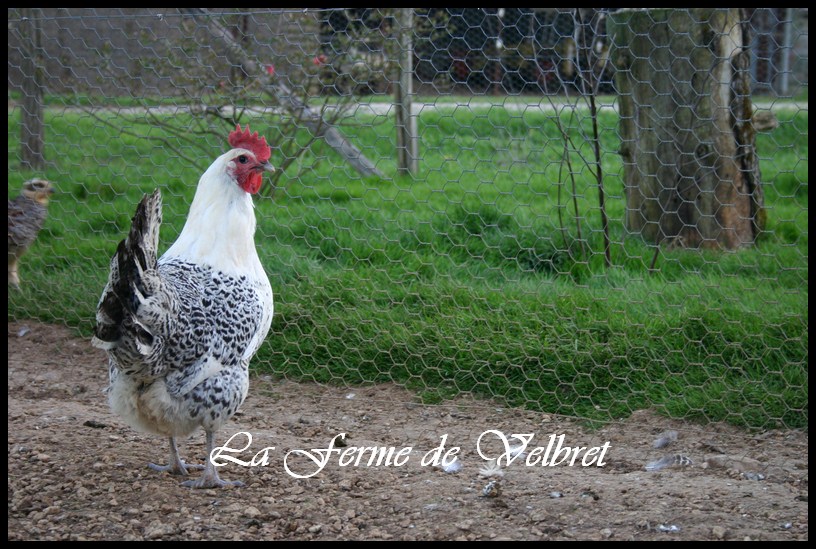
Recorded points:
(406, 120)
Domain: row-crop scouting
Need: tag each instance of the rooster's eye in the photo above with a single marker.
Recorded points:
(243, 159)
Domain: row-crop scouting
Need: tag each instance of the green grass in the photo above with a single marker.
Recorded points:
(801, 94)
(462, 279)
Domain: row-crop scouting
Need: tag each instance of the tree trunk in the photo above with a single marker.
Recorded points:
(31, 125)
(691, 173)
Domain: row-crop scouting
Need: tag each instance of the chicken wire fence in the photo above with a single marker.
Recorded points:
(584, 212)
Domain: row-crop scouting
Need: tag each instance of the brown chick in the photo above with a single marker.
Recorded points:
(26, 216)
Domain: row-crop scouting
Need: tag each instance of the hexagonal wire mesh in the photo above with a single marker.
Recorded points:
(576, 211)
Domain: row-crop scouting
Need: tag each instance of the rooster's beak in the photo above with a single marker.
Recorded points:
(268, 167)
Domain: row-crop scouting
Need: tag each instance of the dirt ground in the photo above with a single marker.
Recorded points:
(77, 472)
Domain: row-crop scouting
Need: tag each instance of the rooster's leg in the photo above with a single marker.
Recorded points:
(176, 465)
(210, 477)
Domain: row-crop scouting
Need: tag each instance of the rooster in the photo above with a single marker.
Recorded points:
(26, 216)
(180, 331)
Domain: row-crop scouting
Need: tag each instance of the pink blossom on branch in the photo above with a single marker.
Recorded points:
(320, 60)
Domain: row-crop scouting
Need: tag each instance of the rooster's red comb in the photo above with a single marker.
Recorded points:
(250, 141)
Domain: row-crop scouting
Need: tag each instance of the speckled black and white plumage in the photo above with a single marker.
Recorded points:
(193, 370)
(180, 330)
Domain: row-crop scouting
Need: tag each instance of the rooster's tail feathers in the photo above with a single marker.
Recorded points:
(133, 278)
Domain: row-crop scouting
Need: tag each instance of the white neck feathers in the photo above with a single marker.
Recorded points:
(220, 227)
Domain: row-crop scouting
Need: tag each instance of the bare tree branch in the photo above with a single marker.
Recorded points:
(312, 120)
